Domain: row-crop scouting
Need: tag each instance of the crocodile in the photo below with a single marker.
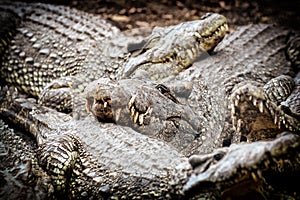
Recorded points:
(85, 159)
(110, 161)
(257, 170)
(217, 113)
(208, 85)
(21, 175)
(261, 112)
(80, 48)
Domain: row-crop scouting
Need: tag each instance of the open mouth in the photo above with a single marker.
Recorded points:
(101, 108)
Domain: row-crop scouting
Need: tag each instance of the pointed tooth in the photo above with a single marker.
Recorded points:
(259, 174)
(234, 121)
(226, 26)
(149, 111)
(141, 119)
(250, 98)
(105, 104)
(254, 101)
(276, 119)
(261, 106)
(279, 123)
(135, 117)
(132, 111)
(254, 177)
(197, 34)
(232, 108)
(236, 102)
(131, 101)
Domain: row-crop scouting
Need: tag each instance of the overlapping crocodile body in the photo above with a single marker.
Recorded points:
(79, 48)
(87, 159)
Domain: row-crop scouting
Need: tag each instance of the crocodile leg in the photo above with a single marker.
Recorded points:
(21, 175)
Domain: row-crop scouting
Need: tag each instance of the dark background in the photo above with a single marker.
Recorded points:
(128, 14)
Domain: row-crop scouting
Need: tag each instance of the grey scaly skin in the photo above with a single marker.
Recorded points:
(149, 108)
(252, 54)
(212, 82)
(88, 159)
(57, 173)
(260, 165)
(258, 170)
(53, 52)
(85, 159)
(172, 49)
(21, 175)
(79, 48)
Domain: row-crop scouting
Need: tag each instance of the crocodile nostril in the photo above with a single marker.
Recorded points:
(206, 15)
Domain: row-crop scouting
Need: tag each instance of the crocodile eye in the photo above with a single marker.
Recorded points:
(166, 92)
(162, 88)
(206, 15)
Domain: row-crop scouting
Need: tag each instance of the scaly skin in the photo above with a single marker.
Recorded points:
(208, 93)
(89, 160)
(148, 108)
(79, 48)
(249, 171)
(86, 159)
(262, 113)
(170, 50)
(74, 172)
(21, 175)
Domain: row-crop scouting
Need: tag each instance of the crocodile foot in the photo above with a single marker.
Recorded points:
(262, 113)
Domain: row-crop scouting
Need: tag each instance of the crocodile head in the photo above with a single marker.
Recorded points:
(263, 112)
(252, 174)
(179, 46)
(151, 109)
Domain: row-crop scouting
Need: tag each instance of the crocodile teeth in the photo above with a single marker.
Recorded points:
(261, 106)
(254, 101)
(141, 119)
(226, 26)
(232, 108)
(275, 119)
(135, 117)
(236, 100)
(105, 104)
(197, 35)
(254, 177)
(234, 121)
(131, 101)
(132, 111)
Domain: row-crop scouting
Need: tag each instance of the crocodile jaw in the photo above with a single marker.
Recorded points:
(178, 46)
(211, 31)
